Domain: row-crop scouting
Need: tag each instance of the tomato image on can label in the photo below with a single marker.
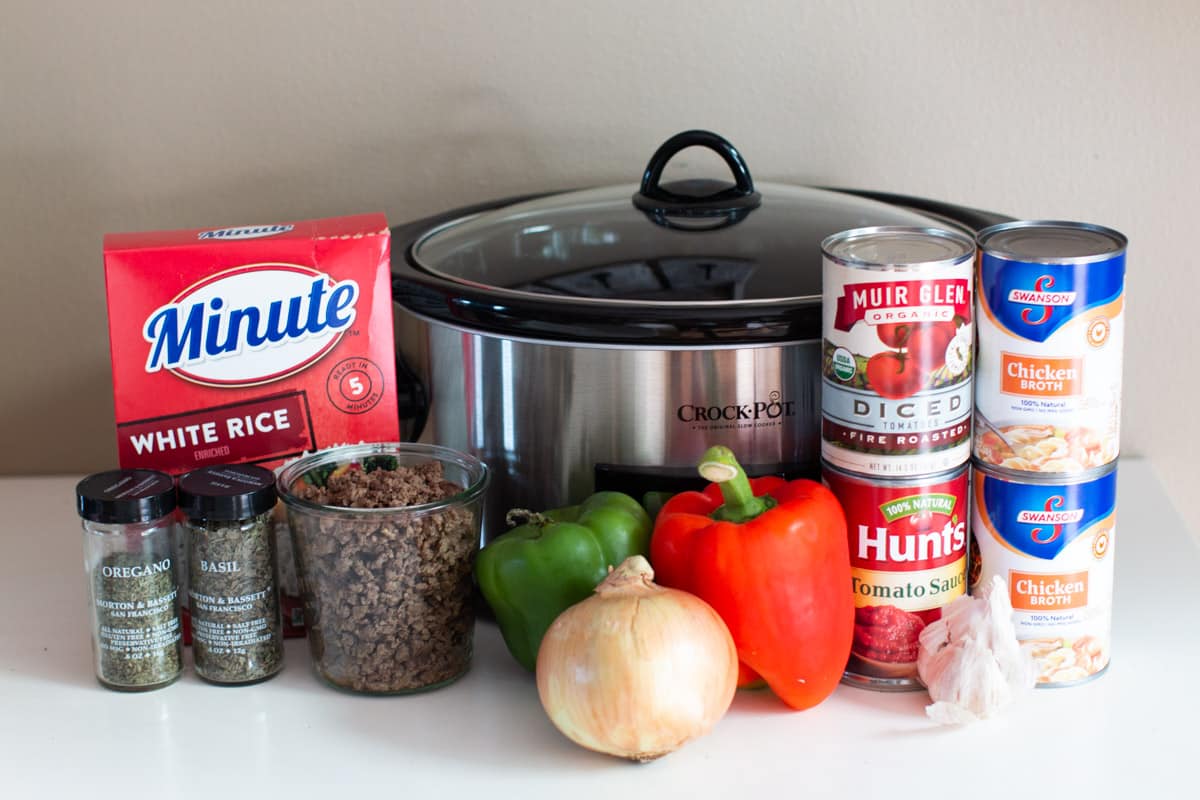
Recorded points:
(1053, 544)
(908, 559)
(1051, 331)
(897, 350)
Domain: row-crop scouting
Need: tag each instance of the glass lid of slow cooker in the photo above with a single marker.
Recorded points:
(694, 241)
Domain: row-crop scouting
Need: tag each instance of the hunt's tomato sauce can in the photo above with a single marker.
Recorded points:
(897, 350)
(1051, 330)
(1052, 540)
(908, 560)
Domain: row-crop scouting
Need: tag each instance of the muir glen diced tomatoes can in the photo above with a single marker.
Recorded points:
(1051, 329)
(908, 560)
(897, 350)
(1052, 540)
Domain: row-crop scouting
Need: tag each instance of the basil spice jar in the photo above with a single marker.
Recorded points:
(233, 591)
(128, 545)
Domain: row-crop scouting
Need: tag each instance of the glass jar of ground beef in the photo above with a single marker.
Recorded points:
(384, 537)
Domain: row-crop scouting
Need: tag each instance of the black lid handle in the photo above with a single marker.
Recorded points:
(722, 199)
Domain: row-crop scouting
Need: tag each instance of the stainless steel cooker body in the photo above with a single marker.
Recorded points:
(555, 421)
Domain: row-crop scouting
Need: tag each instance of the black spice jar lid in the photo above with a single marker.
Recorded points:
(125, 496)
(227, 493)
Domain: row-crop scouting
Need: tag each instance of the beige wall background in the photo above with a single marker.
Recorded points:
(129, 115)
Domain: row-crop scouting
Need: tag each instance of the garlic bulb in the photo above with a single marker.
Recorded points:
(637, 669)
(970, 659)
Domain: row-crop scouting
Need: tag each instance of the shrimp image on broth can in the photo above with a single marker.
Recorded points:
(1051, 330)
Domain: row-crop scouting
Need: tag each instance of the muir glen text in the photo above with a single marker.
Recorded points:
(743, 411)
(884, 295)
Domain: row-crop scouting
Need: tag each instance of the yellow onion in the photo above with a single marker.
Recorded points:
(637, 669)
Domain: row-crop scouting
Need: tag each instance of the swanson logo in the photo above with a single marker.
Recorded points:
(247, 232)
(250, 325)
(1052, 514)
(1040, 296)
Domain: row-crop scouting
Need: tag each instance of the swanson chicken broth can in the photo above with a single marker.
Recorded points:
(1052, 541)
(897, 350)
(1051, 331)
(908, 559)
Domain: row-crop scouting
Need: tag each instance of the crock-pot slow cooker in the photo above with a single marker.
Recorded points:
(603, 339)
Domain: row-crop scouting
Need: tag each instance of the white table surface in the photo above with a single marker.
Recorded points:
(1131, 733)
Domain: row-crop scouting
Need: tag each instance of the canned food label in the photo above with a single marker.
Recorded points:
(896, 368)
(1053, 546)
(908, 558)
(1035, 301)
(1049, 371)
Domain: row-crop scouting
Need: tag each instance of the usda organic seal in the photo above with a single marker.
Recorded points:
(844, 365)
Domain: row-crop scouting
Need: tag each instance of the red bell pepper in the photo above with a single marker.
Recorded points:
(772, 558)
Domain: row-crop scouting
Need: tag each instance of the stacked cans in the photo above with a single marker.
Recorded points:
(1046, 435)
(896, 405)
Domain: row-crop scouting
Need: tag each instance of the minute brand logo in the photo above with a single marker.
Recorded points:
(277, 318)
(245, 232)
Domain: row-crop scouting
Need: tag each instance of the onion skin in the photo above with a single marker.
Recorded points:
(637, 669)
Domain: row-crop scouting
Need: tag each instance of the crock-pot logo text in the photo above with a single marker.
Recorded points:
(889, 302)
(739, 414)
(1040, 296)
(276, 318)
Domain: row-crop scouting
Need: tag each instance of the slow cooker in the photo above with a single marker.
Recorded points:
(604, 338)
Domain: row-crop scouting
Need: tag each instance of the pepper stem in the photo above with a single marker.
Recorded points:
(719, 466)
(523, 516)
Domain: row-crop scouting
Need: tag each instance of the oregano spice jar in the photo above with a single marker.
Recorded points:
(129, 544)
(233, 591)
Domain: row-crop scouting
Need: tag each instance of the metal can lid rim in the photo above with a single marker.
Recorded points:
(985, 241)
(1044, 478)
(865, 234)
(899, 481)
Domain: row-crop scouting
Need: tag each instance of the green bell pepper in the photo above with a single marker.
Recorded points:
(532, 573)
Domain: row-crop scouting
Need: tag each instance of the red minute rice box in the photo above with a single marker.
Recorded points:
(251, 344)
